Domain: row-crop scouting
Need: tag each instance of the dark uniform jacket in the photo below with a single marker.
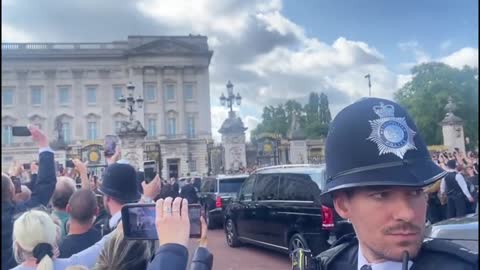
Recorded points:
(175, 257)
(434, 254)
(453, 190)
(42, 191)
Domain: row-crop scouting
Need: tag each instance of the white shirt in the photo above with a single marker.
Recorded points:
(388, 265)
(461, 182)
(114, 220)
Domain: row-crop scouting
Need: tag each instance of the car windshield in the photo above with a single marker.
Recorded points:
(231, 185)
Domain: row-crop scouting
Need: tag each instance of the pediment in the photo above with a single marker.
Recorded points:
(164, 46)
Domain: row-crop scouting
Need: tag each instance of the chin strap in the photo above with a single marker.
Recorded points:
(405, 260)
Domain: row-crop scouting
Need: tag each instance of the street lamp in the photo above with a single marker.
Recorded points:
(229, 100)
(130, 101)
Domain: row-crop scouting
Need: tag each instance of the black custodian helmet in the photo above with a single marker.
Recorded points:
(374, 142)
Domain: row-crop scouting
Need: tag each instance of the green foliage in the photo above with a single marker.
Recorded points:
(314, 117)
(426, 95)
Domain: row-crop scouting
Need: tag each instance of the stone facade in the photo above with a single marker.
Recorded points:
(80, 84)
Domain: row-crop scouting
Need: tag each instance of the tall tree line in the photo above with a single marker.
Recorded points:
(314, 117)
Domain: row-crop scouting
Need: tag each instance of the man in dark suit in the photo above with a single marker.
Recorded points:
(42, 191)
(188, 192)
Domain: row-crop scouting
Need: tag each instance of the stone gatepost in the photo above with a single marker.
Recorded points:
(233, 140)
(132, 136)
(298, 143)
(452, 128)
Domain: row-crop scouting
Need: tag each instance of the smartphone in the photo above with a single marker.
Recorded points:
(139, 221)
(18, 185)
(21, 131)
(110, 145)
(149, 170)
(69, 164)
(26, 166)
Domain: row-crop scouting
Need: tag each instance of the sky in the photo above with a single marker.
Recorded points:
(274, 50)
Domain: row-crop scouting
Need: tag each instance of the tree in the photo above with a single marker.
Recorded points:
(426, 96)
(324, 110)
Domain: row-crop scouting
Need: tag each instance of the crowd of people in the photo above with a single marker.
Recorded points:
(68, 219)
(456, 195)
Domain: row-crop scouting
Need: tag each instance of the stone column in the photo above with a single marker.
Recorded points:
(233, 140)
(132, 136)
(298, 152)
(452, 129)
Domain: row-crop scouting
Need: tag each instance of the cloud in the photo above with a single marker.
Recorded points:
(413, 46)
(464, 57)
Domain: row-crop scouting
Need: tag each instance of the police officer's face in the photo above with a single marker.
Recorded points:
(387, 220)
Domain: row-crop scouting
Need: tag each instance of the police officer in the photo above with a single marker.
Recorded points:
(456, 189)
(377, 166)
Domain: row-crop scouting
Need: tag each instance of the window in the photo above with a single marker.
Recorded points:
(117, 93)
(91, 95)
(7, 97)
(297, 187)
(36, 96)
(92, 130)
(266, 187)
(188, 91)
(63, 95)
(118, 125)
(209, 185)
(192, 165)
(231, 185)
(191, 127)
(150, 92)
(247, 189)
(6, 135)
(66, 131)
(152, 127)
(172, 127)
(170, 92)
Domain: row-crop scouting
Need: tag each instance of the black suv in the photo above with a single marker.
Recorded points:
(216, 192)
(279, 207)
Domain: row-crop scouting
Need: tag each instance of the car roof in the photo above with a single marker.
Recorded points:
(293, 168)
(227, 177)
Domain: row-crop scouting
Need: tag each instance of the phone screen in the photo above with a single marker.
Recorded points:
(149, 170)
(21, 131)
(26, 166)
(139, 221)
(110, 145)
(69, 164)
(18, 185)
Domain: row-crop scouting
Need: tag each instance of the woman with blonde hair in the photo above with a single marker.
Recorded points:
(122, 254)
(35, 244)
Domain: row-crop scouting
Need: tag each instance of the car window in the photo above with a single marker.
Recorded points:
(297, 187)
(266, 187)
(246, 190)
(231, 185)
(209, 185)
(320, 178)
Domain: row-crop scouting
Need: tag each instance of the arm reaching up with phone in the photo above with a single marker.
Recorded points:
(82, 170)
(173, 227)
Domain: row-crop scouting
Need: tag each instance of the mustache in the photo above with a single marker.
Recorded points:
(403, 227)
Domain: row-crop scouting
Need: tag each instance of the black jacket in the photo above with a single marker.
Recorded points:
(42, 191)
(175, 257)
(434, 255)
(190, 193)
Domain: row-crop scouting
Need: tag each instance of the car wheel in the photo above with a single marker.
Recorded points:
(231, 234)
(297, 241)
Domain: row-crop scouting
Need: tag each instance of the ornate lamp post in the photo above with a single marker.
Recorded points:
(229, 100)
(130, 101)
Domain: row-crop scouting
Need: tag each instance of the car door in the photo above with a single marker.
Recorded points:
(243, 209)
(207, 193)
(265, 195)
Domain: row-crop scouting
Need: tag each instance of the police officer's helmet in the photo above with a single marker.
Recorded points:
(374, 142)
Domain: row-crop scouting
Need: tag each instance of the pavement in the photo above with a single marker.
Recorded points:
(246, 257)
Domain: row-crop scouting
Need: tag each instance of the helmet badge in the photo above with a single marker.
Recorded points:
(390, 133)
